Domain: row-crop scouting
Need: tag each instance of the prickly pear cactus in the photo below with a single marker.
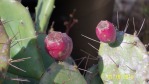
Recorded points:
(62, 73)
(43, 12)
(93, 78)
(4, 51)
(124, 62)
(24, 44)
(47, 60)
(9, 81)
(4, 48)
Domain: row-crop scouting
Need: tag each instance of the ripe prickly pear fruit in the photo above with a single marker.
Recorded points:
(58, 45)
(106, 32)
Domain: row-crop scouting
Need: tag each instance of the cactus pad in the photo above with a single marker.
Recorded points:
(93, 78)
(125, 62)
(20, 25)
(62, 73)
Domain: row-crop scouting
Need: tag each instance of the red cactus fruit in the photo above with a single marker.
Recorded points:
(106, 32)
(58, 45)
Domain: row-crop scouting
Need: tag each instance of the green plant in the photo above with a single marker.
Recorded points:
(23, 56)
(24, 45)
(4, 53)
(28, 58)
(124, 61)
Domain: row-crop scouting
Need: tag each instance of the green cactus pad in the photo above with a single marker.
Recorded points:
(124, 62)
(62, 73)
(93, 78)
(20, 25)
(43, 12)
(9, 81)
(70, 61)
(41, 45)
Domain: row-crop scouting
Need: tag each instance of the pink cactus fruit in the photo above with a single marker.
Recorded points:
(106, 32)
(58, 45)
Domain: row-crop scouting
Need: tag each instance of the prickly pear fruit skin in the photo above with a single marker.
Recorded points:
(62, 73)
(58, 45)
(106, 32)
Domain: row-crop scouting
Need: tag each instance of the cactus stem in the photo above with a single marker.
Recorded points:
(70, 23)
(93, 46)
(141, 27)
(127, 24)
(90, 38)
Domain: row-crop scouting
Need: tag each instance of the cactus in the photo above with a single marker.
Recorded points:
(27, 42)
(125, 61)
(4, 51)
(47, 60)
(124, 57)
(62, 73)
(43, 12)
(25, 38)
(93, 78)
(9, 81)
